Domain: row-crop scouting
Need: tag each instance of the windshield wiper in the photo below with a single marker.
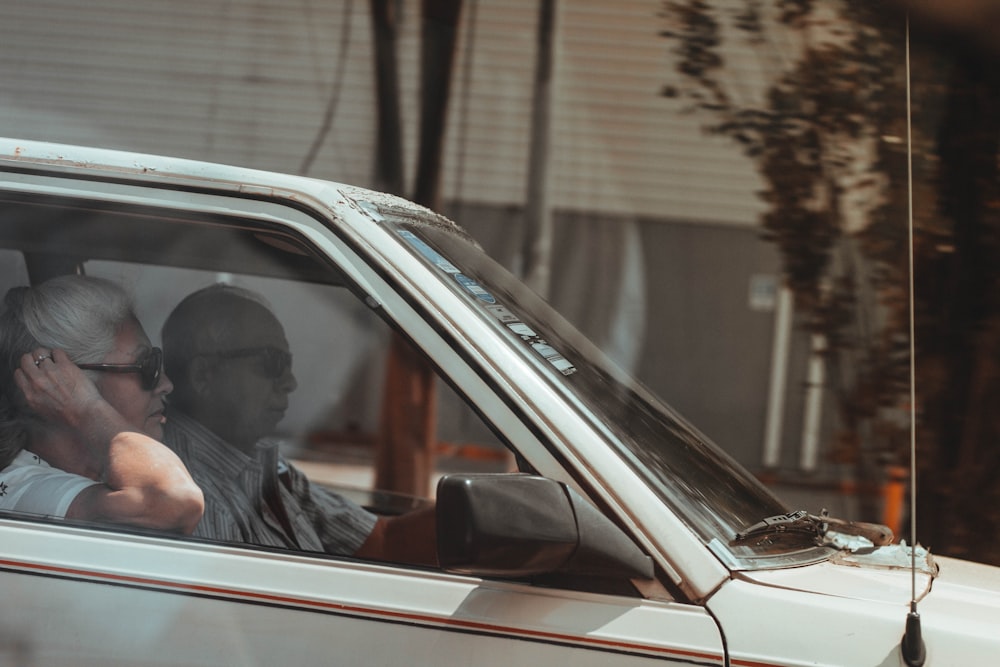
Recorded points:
(793, 522)
(824, 529)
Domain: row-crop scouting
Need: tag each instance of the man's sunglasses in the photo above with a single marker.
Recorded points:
(149, 367)
(274, 362)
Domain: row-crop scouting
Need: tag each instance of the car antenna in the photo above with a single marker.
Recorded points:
(912, 645)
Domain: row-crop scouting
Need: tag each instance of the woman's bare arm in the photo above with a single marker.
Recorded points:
(144, 484)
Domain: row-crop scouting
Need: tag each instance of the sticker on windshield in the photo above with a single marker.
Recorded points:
(430, 253)
(521, 329)
(475, 288)
(500, 312)
(554, 358)
(540, 346)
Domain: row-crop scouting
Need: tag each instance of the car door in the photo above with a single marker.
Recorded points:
(78, 597)
(99, 595)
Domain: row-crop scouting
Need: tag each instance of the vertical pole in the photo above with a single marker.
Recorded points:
(408, 430)
(389, 137)
(437, 56)
(809, 455)
(779, 371)
(537, 239)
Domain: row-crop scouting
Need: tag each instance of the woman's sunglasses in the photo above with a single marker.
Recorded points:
(149, 367)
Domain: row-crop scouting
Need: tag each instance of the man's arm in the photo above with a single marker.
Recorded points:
(408, 538)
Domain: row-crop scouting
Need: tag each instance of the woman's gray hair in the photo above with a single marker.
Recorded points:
(79, 315)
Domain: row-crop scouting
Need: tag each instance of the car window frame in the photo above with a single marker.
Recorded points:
(393, 285)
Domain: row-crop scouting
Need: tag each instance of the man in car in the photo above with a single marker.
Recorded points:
(232, 371)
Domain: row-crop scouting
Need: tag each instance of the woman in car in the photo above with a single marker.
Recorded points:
(81, 411)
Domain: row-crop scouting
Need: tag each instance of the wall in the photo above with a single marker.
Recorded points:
(656, 240)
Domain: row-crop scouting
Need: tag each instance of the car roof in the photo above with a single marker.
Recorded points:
(77, 223)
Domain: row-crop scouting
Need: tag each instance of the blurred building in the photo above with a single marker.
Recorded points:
(656, 247)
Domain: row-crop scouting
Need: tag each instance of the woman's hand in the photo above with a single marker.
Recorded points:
(55, 388)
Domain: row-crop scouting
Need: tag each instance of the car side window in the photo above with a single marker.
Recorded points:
(326, 423)
(345, 389)
(333, 356)
(13, 270)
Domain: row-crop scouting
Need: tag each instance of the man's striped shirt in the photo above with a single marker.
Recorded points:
(246, 500)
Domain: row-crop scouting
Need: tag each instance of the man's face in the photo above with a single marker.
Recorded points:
(247, 393)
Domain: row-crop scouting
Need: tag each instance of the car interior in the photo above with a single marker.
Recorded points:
(161, 256)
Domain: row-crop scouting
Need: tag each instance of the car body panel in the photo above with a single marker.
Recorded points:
(857, 612)
(202, 604)
(873, 577)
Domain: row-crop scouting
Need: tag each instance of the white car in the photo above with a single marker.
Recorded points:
(622, 537)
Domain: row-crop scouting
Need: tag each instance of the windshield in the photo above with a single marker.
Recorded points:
(712, 493)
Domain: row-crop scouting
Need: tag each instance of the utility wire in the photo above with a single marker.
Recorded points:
(334, 102)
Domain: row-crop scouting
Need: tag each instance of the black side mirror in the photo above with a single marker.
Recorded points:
(516, 525)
